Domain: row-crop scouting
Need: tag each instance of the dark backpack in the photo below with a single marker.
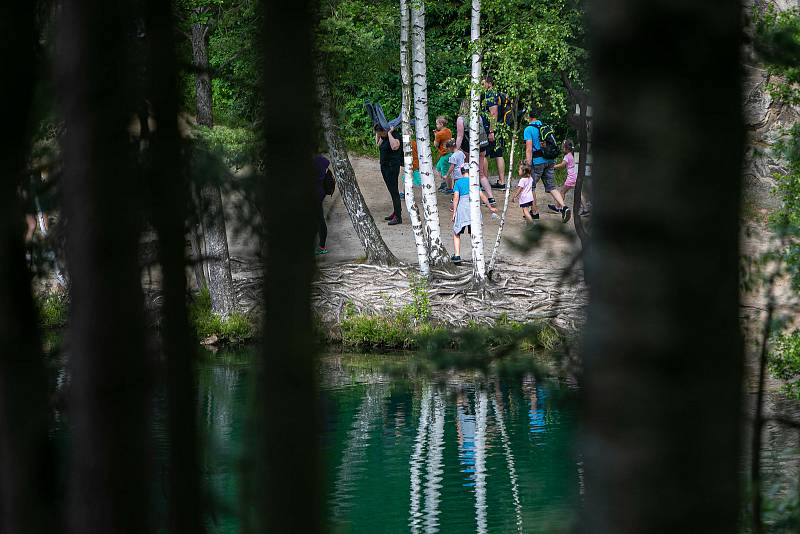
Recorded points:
(329, 183)
(547, 141)
(505, 109)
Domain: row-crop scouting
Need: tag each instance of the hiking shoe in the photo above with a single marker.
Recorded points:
(534, 216)
(442, 187)
(389, 217)
(402, 195)
(320, 251)
(498, 185)
(395, 220)
(566, 213)
(553, 208)
(492, 201)
(455, 259)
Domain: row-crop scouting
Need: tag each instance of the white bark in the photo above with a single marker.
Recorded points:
(438, 253)
(479, 265)
(480, 461)
(414, 513)
(505, 207)
(408, 173)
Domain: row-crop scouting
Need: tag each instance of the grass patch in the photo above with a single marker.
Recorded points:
(236, 329)
(53, 310)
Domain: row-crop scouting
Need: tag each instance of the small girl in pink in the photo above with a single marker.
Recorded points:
(525, 193)
(572, 171)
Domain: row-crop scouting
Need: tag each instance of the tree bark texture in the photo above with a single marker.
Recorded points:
(292, 495)
(502, 224)
(220, 281)
(663, 351)
(478, 262)
(23, 390)
(408, 173)
(169, 189)
(438, 253)
(364, 225)
(109, 394)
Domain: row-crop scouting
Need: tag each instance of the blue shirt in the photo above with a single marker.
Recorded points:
(532, 134)
(462, 186)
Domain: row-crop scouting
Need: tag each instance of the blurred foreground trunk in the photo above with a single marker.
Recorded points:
(170, 198)
(220, 281)
(23, 389)
(663, 351)
(109, 394)
(291, 498)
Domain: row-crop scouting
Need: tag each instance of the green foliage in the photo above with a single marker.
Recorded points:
(53, 310)
(237, 328)
(235, 146)
(784, 361)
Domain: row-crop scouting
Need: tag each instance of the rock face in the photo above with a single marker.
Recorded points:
(766, 119)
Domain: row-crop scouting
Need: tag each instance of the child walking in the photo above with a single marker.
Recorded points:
(526, 194)
(461, 213)
(441, 136)
(572, 174)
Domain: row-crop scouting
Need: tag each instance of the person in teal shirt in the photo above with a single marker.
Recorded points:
(541, 167)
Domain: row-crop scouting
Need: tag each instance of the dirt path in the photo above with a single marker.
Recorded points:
(343, 244)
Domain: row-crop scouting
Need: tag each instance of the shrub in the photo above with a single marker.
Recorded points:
(784, 361)
(236, 328)
(53, 310)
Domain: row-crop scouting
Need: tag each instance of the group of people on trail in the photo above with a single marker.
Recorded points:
(452, 165)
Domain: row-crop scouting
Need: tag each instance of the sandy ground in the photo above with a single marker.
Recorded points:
(344, 245)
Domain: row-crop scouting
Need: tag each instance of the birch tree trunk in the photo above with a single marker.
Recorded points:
(663, 355)
(408, 173)
(478, 263)
(220, 281)
(364, 225)
(505, 207)
(109, 393)
(24, 412)
(438, 253)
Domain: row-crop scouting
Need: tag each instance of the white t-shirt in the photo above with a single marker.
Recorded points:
(457, 158)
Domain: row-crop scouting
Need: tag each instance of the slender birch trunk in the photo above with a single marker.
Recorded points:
(364, 225)
(438, 254)
(505, 207)
(413, 210)
(478, 263)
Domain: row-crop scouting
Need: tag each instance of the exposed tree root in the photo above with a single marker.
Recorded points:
(520, 292)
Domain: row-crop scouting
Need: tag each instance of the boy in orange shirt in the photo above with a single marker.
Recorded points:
(443, 134)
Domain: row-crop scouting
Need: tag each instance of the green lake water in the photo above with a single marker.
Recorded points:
(453, 453)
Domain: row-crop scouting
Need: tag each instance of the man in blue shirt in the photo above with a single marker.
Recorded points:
(541, 167)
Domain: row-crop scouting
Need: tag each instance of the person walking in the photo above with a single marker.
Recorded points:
(322, 166)
(391, 158)
(541, 167)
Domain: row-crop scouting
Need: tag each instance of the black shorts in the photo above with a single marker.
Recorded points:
(468, 228)
(526, 205)
(495, 148)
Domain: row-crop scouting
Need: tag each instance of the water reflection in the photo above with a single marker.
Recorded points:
(470, 464)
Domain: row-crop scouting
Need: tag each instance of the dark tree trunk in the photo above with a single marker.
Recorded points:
(363, 223)
(169, 187)
(220, 281)
(23, 388)
(292, 497)
(109, 369)
(663, 351)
